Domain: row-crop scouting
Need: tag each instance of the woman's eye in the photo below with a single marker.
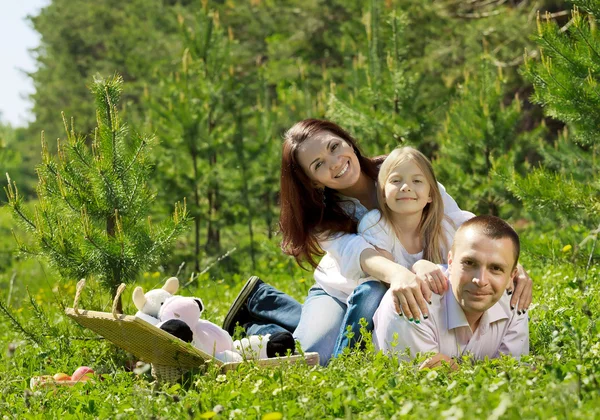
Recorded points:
(418, 181)
(318, 165)
(334, 147)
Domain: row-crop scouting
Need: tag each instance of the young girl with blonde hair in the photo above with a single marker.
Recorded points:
(411, 225)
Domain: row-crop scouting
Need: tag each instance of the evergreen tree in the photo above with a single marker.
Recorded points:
(79, 39)
(191, 113)
(566, 80)
(480, 133)
(91, 217)
(379, 102)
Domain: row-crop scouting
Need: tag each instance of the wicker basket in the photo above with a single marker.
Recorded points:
(170, 357)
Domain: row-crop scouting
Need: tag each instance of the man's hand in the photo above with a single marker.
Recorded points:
(438, 361)
(521, 290)
(432, 275)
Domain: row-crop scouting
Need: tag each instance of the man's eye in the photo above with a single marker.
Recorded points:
(497, 268)
(468, 263)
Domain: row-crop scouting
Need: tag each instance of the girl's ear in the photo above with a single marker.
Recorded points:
(429, 199)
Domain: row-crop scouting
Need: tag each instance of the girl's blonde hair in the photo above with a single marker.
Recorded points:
(430, 228)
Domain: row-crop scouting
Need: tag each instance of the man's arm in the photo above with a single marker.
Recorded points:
(515, 341)
(394, 333)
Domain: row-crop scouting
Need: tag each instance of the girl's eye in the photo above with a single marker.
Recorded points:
(335, 145)
(418, 181)
(318, 165)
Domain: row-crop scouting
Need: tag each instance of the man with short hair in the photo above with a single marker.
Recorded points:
(474, 316)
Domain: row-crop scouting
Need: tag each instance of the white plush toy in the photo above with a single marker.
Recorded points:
(180, 316)
(149, 304)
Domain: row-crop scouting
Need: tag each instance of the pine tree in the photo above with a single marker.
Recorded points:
(379, 100)
(479, 134)
(91, 217)
(566, 81)
(189, 108)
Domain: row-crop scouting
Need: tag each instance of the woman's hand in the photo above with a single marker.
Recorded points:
(432, 275)
(521, 290)
(411, 295)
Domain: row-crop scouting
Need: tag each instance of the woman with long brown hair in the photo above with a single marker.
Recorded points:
(327, 186)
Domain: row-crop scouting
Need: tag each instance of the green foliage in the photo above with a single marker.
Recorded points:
(559, 378)
(565, 81)
(567, 76)
(481, 132)
(80, 39)
(93, 202)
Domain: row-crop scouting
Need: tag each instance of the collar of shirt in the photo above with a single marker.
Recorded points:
(456, 316)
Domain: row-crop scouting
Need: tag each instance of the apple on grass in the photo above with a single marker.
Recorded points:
(60, 376)
(82, 373)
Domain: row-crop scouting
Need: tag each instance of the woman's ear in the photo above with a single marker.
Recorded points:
(429, 199)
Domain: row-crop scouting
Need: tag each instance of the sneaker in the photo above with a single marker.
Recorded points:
(238, 310)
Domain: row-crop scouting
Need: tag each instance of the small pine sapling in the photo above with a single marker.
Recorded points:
(92, 215)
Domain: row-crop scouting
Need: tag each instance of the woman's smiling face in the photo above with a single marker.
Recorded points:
(329, 161)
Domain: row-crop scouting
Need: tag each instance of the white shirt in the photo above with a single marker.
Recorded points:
(379, 232)
(447, 331)
(339, 271)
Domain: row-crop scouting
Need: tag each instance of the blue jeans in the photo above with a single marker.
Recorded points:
(321, 323)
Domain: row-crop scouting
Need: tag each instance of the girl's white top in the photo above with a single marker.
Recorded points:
(379, 232)
(339, 271)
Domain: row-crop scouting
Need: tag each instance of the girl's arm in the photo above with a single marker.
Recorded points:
(410, 293)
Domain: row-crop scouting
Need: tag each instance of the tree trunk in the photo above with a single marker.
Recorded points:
(213, 240)
(116, 275)
(197, 214)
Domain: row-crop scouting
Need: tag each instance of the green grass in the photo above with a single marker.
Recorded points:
(559, 379)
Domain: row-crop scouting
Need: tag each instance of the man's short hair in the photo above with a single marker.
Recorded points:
(494, 228)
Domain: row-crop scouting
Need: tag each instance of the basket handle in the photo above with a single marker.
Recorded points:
(80, 285)
(116, 301)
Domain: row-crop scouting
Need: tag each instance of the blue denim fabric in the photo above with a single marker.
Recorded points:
(362, 303)
(271, 311)
(322, 317)
(321, 323)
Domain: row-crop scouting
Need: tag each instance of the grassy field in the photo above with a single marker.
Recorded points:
(558, 380)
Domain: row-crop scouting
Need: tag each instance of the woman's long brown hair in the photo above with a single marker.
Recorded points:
(308, 213)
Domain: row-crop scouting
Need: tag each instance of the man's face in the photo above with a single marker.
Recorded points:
(480, 269)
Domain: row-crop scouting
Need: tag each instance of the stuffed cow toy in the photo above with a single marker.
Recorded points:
(148, 305)
(180, 316)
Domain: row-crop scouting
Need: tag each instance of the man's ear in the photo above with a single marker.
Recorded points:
(514, 273)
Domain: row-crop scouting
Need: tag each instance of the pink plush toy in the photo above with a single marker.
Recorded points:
(180, 316)
(148, 305)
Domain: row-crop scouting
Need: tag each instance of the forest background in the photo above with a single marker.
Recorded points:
(501, 95)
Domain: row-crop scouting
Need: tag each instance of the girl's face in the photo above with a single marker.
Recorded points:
(329, 161)
(407, 190)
